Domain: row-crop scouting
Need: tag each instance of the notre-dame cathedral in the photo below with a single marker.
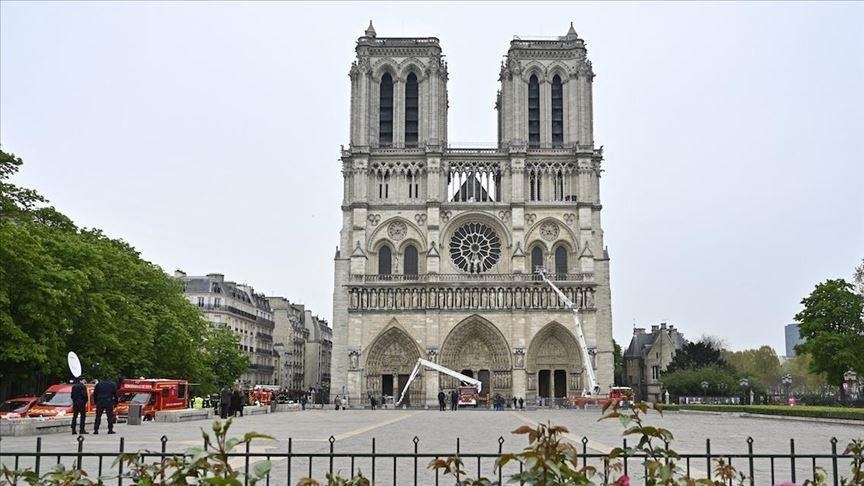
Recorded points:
(439, 244)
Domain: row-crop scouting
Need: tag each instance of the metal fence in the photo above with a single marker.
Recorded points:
(290, 465)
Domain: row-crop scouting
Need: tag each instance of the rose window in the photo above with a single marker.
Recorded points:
(475, 248)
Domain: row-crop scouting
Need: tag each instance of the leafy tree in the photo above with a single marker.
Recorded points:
(694, 355)
(618, 357)
(832, 325)
(760, 366)
(858, 278)
(688, 382)
(65, 288)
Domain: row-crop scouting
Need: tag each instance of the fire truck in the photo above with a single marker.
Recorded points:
(468, 393)
(153, 395)
(57, 402)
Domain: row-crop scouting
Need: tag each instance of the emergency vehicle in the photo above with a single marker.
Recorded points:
(153, 395)
(57, 402)
(468, 396)
(17, 407)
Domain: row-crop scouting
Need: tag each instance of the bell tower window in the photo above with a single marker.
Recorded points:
(536, 258)
(410, 261)
(561, 262)
(411, 111)
(533, 112)
(557, 112)
(385, 114)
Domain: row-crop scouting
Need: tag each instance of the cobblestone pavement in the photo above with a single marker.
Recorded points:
(437, 432)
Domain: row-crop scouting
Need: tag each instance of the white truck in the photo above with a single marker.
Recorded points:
(473, 382)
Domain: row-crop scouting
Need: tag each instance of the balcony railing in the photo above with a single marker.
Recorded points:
(472, 277)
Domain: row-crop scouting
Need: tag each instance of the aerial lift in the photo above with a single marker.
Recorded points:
(442, 369)
(593, 388)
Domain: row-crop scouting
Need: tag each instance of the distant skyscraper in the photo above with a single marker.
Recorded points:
(792, 339)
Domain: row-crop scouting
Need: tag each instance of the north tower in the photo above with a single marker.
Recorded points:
(439, 244)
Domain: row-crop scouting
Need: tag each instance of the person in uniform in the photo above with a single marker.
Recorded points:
(442, 400)
(224, 402)
(105, 396)
(79, 405)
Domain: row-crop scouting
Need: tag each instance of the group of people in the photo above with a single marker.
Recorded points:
(231, 402)
(341, 402)
(106, 396)
(442, 400)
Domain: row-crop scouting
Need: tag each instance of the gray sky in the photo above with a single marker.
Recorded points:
(207, 135)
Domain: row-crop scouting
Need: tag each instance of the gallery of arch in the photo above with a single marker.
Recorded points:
(439, 244)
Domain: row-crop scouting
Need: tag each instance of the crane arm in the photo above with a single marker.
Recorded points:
(439, 368)
(580, 335)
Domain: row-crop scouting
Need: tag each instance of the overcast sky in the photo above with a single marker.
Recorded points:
(207, 135)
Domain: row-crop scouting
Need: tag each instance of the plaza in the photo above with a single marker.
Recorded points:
(477, 431)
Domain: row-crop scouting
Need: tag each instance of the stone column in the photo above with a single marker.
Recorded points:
(398, 112)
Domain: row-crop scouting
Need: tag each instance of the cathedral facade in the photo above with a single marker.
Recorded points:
(439, 244)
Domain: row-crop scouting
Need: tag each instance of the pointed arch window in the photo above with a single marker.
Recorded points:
(533, 112)
(561, 262)
(557, 112)
(385, 112)
(410, 261)
(385, 261)
(411, 111)
(536, 258)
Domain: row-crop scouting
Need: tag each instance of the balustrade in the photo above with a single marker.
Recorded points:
(466, 298)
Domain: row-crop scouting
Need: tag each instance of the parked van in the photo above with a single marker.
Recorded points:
(153, 395)
(57, 402)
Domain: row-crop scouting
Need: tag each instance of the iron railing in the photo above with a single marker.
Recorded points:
(411, 467)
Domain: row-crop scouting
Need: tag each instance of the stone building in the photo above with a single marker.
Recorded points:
(290, 337)
(239, 308)
(439, 243)
(647, 358)
(318, 354)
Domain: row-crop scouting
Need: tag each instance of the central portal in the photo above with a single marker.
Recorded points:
(479, 350)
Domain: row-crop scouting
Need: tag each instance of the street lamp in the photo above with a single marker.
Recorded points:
(744, 383)
(850, 379)
(704, 386)
(787, 382)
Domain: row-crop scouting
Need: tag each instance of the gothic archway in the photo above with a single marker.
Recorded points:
(554, 363)
(476, 345)
(389, 361)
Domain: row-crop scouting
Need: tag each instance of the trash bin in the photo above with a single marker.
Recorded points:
(134, 417)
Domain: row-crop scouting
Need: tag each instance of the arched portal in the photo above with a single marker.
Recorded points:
(554, 363)
(476, 345)
(389, 361)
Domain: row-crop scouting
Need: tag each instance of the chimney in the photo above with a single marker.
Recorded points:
(655, 328)
(662, 325)
(179, 273)
(638, 331)
(217, 277)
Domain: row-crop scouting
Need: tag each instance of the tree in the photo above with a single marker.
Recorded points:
(858, 278)
(65, 288)
(700, 354)
(832, 325)
(618, 358)
(760, 366)
(688, 382)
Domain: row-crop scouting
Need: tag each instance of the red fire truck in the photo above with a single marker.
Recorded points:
(153, 395)
(57, 402)
(468, 396)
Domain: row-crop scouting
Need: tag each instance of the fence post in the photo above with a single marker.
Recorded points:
(246, 466)
(290, 456)
(164, 441)
(584, 451)
(38, 454)
(792, 457)
(80, 449)
(624, 443)
(415, 440)
(500, 451)
(120, 466)
(834, 459)
(708, 457)
(750, 459)
(332, 441)
(459, 458)
(373, 460)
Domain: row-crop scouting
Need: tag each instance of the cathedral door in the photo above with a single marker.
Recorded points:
(403, 379)
(560, 383)
(390, 358)
(387, 385)
(543, 383)
(483, 376)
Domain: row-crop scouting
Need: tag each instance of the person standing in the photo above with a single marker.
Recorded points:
(105, 396)
(236, 403)
(79, 404)
(514, 402)
(303, 402)
(454, 400)
(373, 401)
(224, 402)
(442, 399)
(521, 403)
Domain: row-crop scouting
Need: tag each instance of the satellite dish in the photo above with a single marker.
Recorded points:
(74, 364)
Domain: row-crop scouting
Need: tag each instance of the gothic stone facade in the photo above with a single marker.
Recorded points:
(439, 244)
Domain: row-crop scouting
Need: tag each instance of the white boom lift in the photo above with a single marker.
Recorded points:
(580, 336)
(439, 368)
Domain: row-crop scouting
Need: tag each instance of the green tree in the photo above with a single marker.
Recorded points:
(688, 382)
(832, 325)
(694, 355)
(858, 278)
(223, 359)
(760, 366)
(618, 357)
(65, 288)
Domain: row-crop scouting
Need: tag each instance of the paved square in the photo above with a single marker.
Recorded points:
(477, 431)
